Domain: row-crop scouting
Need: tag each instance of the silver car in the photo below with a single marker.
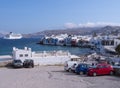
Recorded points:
(17, 63)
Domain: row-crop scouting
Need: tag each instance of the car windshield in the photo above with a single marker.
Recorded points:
(93, 66)
(28, 60)
(17, 61)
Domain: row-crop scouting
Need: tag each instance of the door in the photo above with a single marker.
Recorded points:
(106, 69)
(100, 70)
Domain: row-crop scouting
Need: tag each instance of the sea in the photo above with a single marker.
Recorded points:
(6, 46)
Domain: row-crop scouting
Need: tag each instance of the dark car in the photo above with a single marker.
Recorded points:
(82, 68)
(101, 69)
(17, 63)
(28, 63)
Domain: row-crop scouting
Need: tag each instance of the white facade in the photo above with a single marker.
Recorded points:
(116, 42)
(41, 58)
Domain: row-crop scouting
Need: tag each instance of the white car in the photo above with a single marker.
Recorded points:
(68, 65)
(74, 66)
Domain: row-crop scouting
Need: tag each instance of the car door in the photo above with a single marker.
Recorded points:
(100, 70)
(106, 69)
(84, 68)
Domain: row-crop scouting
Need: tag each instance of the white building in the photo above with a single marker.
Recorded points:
(41, 58)
(116, 42)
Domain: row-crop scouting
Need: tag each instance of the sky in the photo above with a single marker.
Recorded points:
(30, 16)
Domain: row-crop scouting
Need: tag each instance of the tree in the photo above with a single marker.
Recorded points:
(117, 49)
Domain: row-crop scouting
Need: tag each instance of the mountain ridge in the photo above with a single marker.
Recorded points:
(75, 31)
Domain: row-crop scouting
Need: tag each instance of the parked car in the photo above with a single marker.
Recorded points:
(28, 63)
(116, 68)
(82, 68)
(17, 63)
(68, 65)
(101, 69)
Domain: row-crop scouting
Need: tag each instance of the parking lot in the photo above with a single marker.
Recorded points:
(52, 77)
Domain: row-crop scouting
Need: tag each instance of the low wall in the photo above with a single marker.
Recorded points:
(51, 60)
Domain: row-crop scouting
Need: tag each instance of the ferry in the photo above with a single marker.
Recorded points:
(13, 36)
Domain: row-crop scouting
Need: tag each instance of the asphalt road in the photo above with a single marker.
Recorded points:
(52, 77)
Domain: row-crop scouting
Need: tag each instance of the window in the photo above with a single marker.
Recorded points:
(100, 66)
(26, 55)
(21, 55)
(106, 66)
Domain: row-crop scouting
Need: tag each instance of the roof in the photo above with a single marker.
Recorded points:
(110, 48)
(74, 56)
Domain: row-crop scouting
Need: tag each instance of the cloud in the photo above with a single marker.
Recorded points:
(90, 24)
(70, 25)
(98, 24)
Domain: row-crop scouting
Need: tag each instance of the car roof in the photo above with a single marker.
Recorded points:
(83, 64)
(17, 60)
(102, 64)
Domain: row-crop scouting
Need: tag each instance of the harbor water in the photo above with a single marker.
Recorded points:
(7, 45)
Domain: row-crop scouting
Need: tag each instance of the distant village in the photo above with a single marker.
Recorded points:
(97, 42)
(103, 49)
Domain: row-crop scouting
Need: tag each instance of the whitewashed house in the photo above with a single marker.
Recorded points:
(67, 41)
(41, 58)
(116, 42)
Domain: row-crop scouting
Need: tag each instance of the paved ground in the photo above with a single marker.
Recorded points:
(52, 77)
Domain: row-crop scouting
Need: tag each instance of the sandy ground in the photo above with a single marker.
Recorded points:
(52, 77)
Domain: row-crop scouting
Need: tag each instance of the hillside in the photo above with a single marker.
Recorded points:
(75, 31)
(114, 30)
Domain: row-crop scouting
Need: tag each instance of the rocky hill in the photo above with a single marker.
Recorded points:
(114, 30)
(75, 31)
(79, 31)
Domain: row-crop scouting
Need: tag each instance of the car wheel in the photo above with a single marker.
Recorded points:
(111, 72)
(94, 74)
(81, 73)
(73, 71)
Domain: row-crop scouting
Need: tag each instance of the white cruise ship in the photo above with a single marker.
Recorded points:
(13, 36)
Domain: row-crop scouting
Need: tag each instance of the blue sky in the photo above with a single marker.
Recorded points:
(28, 16)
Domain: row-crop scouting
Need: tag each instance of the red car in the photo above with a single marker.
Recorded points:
(101, 69)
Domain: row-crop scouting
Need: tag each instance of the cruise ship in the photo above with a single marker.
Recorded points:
(13, 36)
